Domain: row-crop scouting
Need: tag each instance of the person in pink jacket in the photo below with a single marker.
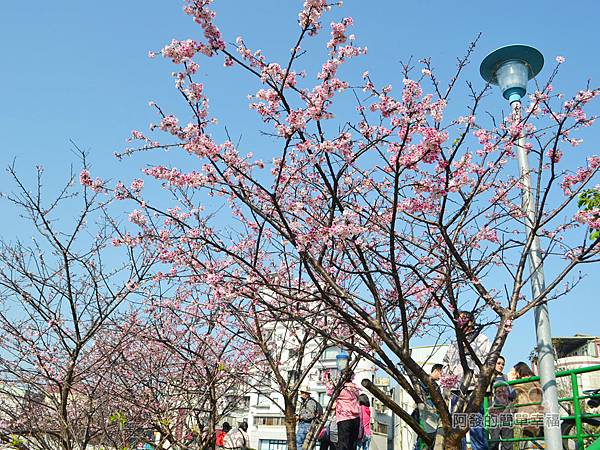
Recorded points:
(347, 411)
(364, 437)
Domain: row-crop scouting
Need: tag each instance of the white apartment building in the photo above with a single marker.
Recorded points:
(402, 436)
(266, 422)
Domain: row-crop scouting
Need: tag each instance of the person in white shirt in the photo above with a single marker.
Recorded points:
(478, 342)
(237, 438)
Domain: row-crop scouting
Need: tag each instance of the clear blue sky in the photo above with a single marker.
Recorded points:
(79, 70)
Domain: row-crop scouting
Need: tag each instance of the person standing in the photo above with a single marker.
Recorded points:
(220, 435)
(328, 439)
(347, 413)
(237, 438)
(503, 394)
(365, 419)
(530, 395)
(333, 433)
(453, 366)
(426, 412)
(436, 374)
(308, 412)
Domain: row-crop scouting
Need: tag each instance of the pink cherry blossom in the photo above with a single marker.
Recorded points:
(137, 185)
(84, 178)
(449, 381)
(590, 217)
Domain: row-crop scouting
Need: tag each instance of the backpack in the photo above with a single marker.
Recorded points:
(361, 426)
(318, 409)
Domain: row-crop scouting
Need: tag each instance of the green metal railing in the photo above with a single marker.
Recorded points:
(578, 416)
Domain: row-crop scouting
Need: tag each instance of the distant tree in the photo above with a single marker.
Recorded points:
(173, 375)
(288, 349)
(59, 290)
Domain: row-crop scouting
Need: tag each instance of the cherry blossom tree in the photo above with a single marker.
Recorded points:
(96, 352)
(387, 221)
(173, 374)
(275, 353)
(289, 350)
(58, 293)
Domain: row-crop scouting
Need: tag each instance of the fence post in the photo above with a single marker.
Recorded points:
(577, 409)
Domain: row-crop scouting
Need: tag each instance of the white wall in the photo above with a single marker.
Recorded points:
(426, 356)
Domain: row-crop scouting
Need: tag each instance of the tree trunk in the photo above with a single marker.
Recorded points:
(451, 441)
(290, 424)
(396, 409)
(66, 438)
(212, 420)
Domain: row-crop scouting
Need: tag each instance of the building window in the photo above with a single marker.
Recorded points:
(269, 421)
(323, 399)
(378, 406)
(292, 375)
(272, 444)
(326, 374)
(330, 353)
(379, 427)
(245, 403)
(263, 400)
(238, 402)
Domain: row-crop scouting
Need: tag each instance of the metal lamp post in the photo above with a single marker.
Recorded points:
(341, 361)
(511, 68)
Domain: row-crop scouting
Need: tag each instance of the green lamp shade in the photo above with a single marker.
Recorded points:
(511, 67)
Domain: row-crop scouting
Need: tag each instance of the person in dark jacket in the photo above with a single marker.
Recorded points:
(308, 412)
(481, 346)
(430, 419)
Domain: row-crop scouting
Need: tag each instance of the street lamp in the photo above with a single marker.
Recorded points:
(511, 67)
(341, 361)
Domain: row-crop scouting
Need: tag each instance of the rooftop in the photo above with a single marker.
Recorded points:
(568, 344)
